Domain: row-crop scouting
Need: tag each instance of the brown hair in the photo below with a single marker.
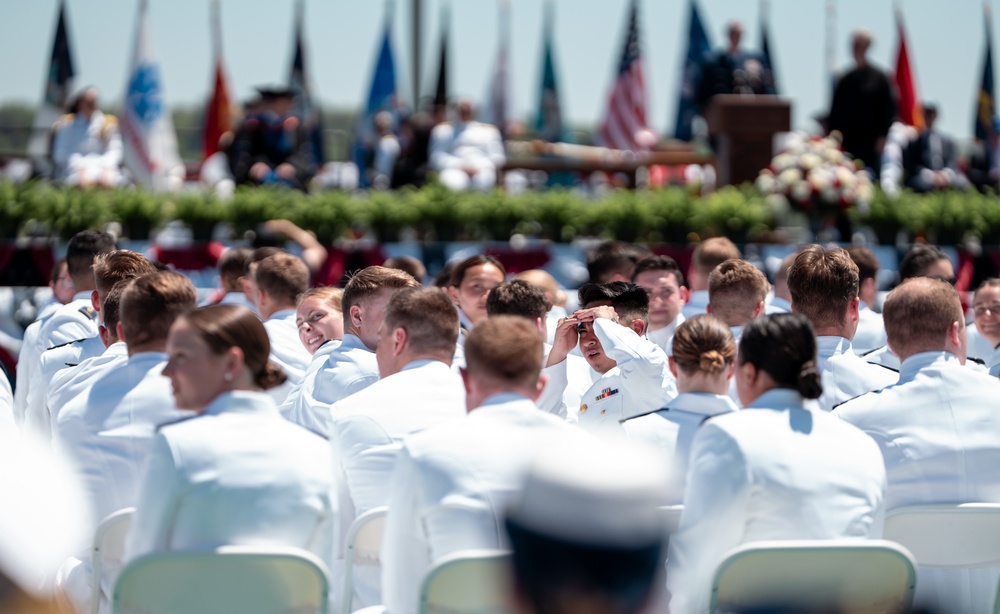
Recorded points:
(112, 267)
(81, 251)
(459, 270)
(992, 282)
(710, 253)
(783, 345)
(409, 264)
(703, 343)
(519, 298)
(868, 264)
(659, 263)
(56, 270)
(111, 307)
(328, 294)
(232, 266)
(919, 260)
(735, 287)
(547, 283)
(919, 313)
(504, 351)
(823, 281)
(368, 282)
(226, 326)
(283, 277)
(429, 318)
(152, 302)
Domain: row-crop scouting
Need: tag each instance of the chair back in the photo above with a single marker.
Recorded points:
(245, 579)
(362, 547)
(855, 576)
(107, 551)
(468, 582)
(948, 536)
(671, 517)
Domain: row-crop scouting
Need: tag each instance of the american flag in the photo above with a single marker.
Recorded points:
(626, 116)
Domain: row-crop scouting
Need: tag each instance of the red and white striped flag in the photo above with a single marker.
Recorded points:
(624, 125)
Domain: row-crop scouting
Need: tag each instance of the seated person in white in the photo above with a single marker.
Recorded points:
(984, 332)
(469, 284)
(87, 148)
(824, 282)
(708, 254)
(779, 469)
(233, 263)
(553, 294)
(634, 375)
(780, 299)
(453, 483)
(663, 282)
(519, 298)
(279, 280)
(320, 320)
(871, 332)
(108, 428)
(466, 153)
(586, 531)
(351, 366)
(703, 362)
(417, 390)
(237, 473)
(938, 427)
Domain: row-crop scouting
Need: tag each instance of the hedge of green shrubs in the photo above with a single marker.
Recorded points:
(671, 215)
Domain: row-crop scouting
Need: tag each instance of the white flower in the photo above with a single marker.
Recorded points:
(830, 195)
(846, 178)
(789, 176)
(783, 161)
(766, 183)
(801, 191)
(810, 161)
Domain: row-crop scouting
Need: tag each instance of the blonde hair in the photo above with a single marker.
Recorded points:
(328, 294)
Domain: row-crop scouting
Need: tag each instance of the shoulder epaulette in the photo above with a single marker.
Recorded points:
(88, 311)
(852, 398)
(978, 361)
(878, 364)
(873, 351)
(68, 117)
(61, 345)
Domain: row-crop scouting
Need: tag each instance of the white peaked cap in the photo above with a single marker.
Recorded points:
(44, 517)
(595, 493)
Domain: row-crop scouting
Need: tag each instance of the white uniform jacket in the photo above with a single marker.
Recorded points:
(939, 431)
(452, 485)
(779, 469)
(565, 390)
(287, 350)
(85, 149)
(454, 145)
(27, 359)
(871, 330)
(308, 382)
(664, 337)
(671, 430)
(70, 322)
(978, 345)
(37, 419)
(237, 474)
(71, 382)
(697, 304)
(846, 375)
(350, 367)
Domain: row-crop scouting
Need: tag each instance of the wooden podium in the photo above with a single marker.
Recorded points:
(743, 129)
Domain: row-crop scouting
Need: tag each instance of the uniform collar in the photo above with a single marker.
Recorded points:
(863, 306)
(832, 345)
(778, 398)
(702, 403)
(241, 401)
(922, 360)
(82, 295)
(352, 342)
(144, 357)
(327, 347)
(781, 303)
(502, 398)
(421, 363)
(282, 314)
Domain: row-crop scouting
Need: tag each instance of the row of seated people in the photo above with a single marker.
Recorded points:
(433, 402)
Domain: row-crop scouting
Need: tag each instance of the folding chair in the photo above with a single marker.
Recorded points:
(362, 547)
(857, 576)
(108, 550)
(244, 579)
(468, 582)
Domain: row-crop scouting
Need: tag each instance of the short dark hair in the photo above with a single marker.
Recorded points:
(919, 259)
(152, 302)
(81, 251)
(409, 264)
(868, 264)
(111, 307)
(629, 300)
(283, 276)
(428, 316)
(459, 270)
(518, 298)
(783, 345)
(232, 266)
(659, 263)
(823, 281)
(613, 257)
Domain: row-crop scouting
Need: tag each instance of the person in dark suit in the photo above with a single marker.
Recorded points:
(733, 70)
(931, 160)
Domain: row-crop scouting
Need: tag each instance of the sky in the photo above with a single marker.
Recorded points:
(946, 43)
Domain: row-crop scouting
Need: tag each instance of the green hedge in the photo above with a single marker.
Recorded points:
(671, 215)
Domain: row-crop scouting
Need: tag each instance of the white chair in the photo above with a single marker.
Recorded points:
(244, 579)
(362, 547)
(671, 517)
(467, 582)
(855, 576)
(108, 550)
(957, 548)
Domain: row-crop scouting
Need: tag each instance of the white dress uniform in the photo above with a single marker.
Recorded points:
(70, 322)
(7, 422)
(367, 431)
(237, 474)
(347, 369)
(846, 375)
(27, 359)
(71, 382)
(978, 346)
(455, 145)
(671, 430)
(308, 381)
(697, 304)
(664, 337)
(238, 298)
(882, 356)
(939, 430)
(556, 398)
(452, 485)
(36, 417)
(871, 330)
(640, 383)
(779, 469)
(287, 350)
(776, 304)
(87, 150)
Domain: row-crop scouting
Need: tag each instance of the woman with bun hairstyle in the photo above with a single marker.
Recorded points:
(781, 468)
(704, 356)
(237, 472)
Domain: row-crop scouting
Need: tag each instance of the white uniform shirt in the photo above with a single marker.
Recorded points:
(237, 474)
(308, 381)
(452, 485)
(238, 298)
(71, 382)
(367, 431)
(779, 469)
(776, 304)
(871, 330)
(671, 430)
(287, 350)
(559, 395)
(846, 375)
(27, 359)
(455, 145)
(664, 337)
(939, 431)
(697, 304)
(349, 368)
(7, 422)
(86, 149)
(978, 346)
(70, 322)
(36, 417)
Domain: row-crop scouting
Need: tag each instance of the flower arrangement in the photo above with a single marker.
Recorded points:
(813, 172)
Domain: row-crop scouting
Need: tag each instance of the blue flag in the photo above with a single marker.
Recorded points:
(58, 85)
(549, 122)
(307, 112)
(698, 46)
(381, 97)
(986, 102)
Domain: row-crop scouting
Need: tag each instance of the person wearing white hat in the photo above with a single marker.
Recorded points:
(452, 483)
(586, 532)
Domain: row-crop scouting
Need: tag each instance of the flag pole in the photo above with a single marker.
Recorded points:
(831, 44)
